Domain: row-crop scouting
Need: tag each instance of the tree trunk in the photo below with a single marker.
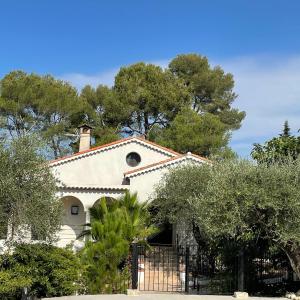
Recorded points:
(204, 248)
(146, 125)
(201, 240)
(293, 253)
(54, 148)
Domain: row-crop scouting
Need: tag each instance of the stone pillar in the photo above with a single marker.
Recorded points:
(87, 221)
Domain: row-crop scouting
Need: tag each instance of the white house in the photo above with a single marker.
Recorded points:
(133, 164)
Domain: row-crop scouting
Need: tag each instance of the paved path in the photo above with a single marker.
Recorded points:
(156, 297)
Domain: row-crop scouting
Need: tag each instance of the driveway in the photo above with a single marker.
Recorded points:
(150, 296)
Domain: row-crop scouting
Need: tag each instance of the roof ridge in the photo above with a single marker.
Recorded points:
(112, 144)
(91, 149)
(187, 155)
(157, 145)
(153, 164)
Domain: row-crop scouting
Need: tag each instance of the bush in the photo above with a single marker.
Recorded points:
(46, 270)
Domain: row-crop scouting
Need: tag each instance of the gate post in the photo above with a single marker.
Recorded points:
(24, 293)
(187, 267)
(241, 270)
(134, 266)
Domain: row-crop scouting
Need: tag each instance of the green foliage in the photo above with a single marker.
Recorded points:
(239, 200)
(202, 134)
(278, 148)
(114, 226)
(136, 218)
(101, 113)
(211, 89)
(173, 197)
(106, 251)
(46, 271)
(27, 191)
(144, 100)
(32, 103)
(12, 281)
(286, 129)
(147, 96)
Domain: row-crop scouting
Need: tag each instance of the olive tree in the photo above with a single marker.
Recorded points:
(27, 192)
(237, 199)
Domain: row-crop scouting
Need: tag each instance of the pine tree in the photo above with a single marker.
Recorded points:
(286, 132)
(278, 149)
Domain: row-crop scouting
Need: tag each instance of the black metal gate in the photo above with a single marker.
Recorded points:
(159, 268)
(256, 271)
(166, 268)
(208, 274)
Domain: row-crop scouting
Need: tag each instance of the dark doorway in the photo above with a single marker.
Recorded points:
(163, 237)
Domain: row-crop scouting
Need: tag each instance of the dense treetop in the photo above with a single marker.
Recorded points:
(278, 148)
(211, 89)
(32, 103)
(188, 98)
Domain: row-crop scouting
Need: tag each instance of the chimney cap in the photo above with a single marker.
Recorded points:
(84, 125)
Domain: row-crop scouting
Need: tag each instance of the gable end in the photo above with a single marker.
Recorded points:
(166, 163)
(147, 144)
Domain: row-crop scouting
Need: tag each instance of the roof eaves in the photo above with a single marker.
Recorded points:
(78, 154)
(102, 147)
(157, 146)
(163, 163)
(153, 165)
(114, 188)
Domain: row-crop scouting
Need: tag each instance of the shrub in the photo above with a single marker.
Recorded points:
(46, 270)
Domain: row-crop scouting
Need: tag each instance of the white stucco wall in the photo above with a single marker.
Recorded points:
(100, 173)
(73, 225)
(105, 167)
(89, 197)
(145, 183)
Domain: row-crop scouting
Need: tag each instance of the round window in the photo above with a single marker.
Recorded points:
(133, 159)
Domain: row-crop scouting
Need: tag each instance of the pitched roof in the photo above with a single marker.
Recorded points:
(140, 140)
(95, 188)
(164, 163)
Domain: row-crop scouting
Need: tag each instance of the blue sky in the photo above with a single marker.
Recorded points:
(87, 41)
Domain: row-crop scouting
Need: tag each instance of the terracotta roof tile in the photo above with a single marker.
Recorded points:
(164, 162)
(90, 150)
(157, 145)
(153, 165)
(115, 143)
(117, 188)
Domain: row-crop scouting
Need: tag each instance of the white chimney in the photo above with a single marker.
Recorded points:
(85, 137)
